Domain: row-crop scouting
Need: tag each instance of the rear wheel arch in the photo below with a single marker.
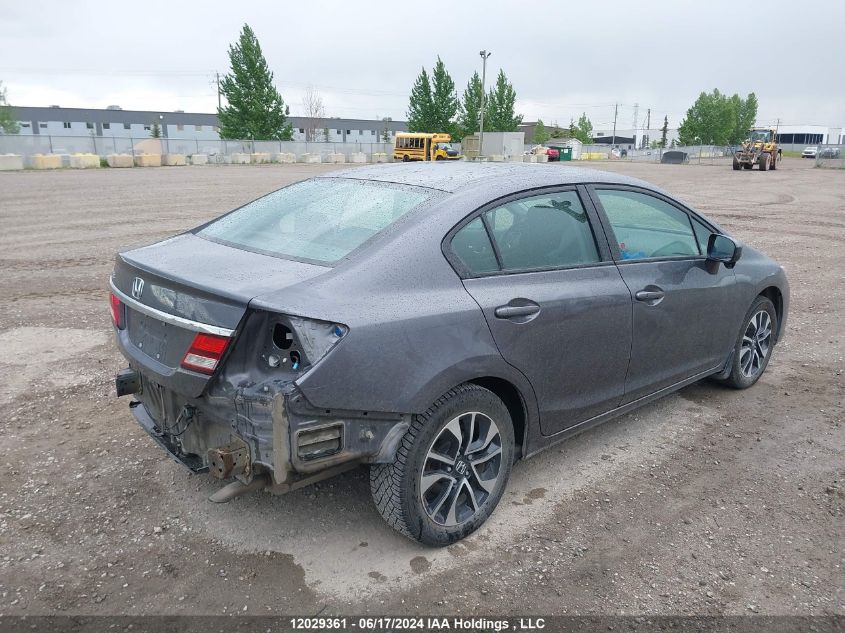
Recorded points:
(513, 399)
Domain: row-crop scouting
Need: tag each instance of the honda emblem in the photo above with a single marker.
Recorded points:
(137, 287)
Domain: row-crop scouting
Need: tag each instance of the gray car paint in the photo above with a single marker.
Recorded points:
(416, 329)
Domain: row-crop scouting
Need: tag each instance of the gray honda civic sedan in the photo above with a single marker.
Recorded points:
(437, 322)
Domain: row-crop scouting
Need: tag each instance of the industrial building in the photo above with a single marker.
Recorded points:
(119, 123)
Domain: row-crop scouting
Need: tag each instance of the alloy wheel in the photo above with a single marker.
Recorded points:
(461, 468)
(756, 343)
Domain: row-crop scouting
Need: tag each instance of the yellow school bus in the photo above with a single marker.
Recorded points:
(423, 146)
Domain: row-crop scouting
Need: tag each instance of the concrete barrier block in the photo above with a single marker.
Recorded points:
(379, 157)
(199, 159)
(259, 158)
(11, 162)
(311, 158)
(357, 157)
(84, 161)
(46, 161)
(148, 160)
(542, 157)
(120, 160)
(336, 157)
(284, 157)
(173, 160)
(531, 158)
(239, 158)
(497, 158)
(515, 158)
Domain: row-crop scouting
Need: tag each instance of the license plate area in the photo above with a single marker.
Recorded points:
(148, 335)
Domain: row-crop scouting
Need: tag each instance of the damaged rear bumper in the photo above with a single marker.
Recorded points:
(268, 430)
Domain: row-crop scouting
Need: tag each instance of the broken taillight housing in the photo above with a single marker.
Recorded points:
(205, 353)
(116, 311)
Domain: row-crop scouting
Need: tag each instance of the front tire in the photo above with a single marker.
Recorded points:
(753, 347)
(450, 470)
(736, 164)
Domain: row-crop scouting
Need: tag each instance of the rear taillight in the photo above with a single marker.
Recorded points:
(205, 353)
(116, 311)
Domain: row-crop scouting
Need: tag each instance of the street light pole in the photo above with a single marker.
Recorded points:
(484, 56)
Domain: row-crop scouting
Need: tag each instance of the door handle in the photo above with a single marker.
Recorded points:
(515, 312)
(649, 295)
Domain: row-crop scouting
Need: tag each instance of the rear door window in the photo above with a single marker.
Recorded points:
(541, 232)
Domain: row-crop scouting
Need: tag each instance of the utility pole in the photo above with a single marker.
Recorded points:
(636, 123)
(615, 112)
(647, 128)
(484, 56)
(218, 91)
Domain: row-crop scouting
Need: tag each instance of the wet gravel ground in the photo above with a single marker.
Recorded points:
(710, 501)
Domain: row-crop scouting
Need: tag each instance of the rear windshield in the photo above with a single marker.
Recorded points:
(320, 220)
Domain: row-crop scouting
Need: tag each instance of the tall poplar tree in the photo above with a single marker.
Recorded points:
(470, 107)
(421, 116)
(254, 108)
(499, 115)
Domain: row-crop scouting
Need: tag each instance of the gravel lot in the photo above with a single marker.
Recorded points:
(710, 501)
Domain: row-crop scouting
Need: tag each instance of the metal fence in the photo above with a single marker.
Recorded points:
(27, 145)
(830, 156)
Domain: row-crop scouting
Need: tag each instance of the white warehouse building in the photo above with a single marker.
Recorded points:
(138, 124)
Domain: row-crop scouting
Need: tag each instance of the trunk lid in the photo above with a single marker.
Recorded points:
(173, 289)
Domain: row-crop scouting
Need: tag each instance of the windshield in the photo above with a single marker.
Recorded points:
(444, 146)
(319, 220)
(761, 135)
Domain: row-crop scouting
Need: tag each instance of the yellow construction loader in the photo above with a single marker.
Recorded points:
(761, 148)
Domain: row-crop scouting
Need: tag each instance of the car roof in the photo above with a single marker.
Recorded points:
(456, 176)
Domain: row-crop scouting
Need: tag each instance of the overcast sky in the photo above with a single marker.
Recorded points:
(563, 58)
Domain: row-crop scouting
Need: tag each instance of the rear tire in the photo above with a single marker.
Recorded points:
(774, 163)
(754, 345)
(763, 161)
(405, 158)
(450, 470)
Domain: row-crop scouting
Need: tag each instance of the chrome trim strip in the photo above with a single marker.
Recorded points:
(172, 319)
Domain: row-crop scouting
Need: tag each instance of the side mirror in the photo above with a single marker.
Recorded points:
(721, 248)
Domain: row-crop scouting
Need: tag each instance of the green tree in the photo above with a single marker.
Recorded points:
(255, 109)
(444, 99)
(745, 114)
(583, 130)
(710, 120)
(155, 130)
(469, 112)
(385, 133)
(499, 115)
(540, 134)
(664, 131)
(8, 124)
(421, 115)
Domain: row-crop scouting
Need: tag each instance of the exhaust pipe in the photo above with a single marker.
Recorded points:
(236, 488)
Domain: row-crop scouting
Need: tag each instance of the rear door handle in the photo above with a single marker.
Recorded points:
(516, 311)
(650, 295)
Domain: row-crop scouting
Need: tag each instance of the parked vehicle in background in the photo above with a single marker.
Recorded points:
(829, 152)
(810, 152)
(553, 153)
(422, 146)
(435, 324)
